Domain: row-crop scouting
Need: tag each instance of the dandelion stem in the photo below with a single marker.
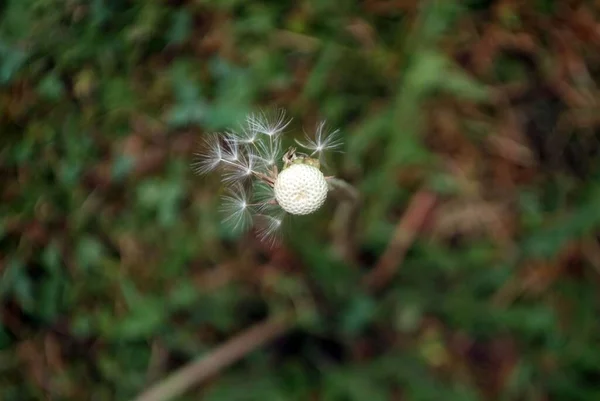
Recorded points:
(264, 177)
(345, 218)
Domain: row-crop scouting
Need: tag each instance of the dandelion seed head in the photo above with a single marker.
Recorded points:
(262, 192)
(300, 189)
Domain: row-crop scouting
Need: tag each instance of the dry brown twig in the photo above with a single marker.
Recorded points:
(159, 355)
(410, 224)
(225, 355)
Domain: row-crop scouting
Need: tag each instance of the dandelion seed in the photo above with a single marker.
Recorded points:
(268, 124)
(239, 170)
(231, 150)
(236, 209)
(323, 141)
(269, 227)
(247, 136)
(268, 154)
(210, 156)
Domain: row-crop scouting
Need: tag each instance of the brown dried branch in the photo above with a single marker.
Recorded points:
(225, 355)
(420, 207)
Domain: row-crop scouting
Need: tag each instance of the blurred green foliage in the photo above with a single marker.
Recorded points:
(111, 249)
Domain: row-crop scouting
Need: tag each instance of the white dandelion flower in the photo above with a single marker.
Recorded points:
(267, 185)
(236, 208)
(323, 141)
(270, 124)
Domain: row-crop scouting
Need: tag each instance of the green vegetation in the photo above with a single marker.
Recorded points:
(115, 269)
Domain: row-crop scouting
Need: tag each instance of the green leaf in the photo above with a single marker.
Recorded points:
(181, 26)
(143, 321)
(353, 385)
(90, 251)
(5, 340)
(49, 298)
(11, 60)
(359, 313)
(459, 84)
(51, 88)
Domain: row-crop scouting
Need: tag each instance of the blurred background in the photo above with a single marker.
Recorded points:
(471, 134)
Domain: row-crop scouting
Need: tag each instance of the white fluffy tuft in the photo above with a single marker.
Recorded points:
(210, 155)
(236, 208)
(270, 124)
(323, 141)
